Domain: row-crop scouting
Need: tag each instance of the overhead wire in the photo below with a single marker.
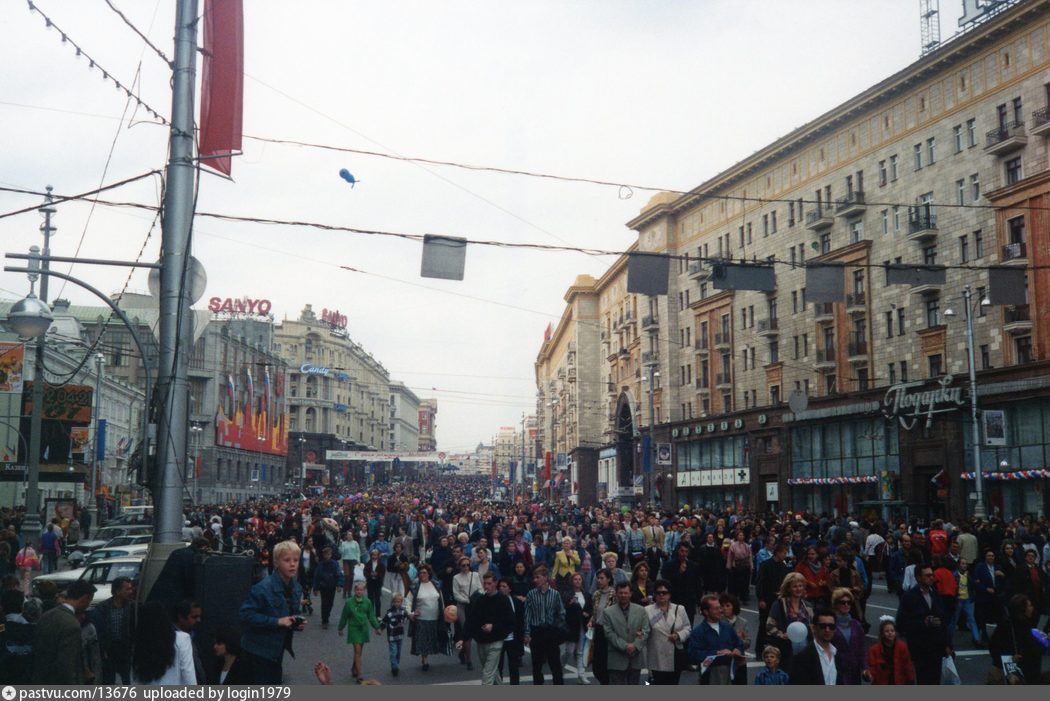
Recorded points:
(145, 39)
(92, 64)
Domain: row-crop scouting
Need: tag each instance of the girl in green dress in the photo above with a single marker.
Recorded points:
(358, 615)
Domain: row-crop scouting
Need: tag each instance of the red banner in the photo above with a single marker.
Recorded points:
(222, 83)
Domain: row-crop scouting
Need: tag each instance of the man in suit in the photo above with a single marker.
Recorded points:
(819, 663)
(921, 620)
(57, 649)
(627, 633)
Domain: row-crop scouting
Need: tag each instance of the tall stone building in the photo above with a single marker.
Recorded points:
(944, 163)
(428, 409)
(338, 398)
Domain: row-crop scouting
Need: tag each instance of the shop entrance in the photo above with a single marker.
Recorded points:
(929, 492)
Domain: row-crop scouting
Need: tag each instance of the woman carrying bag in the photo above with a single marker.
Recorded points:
(669, 626)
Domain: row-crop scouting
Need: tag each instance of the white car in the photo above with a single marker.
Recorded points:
(101, 574)
(110, 552)
(107, 533)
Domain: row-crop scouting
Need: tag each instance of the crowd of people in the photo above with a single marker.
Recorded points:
(612, 594)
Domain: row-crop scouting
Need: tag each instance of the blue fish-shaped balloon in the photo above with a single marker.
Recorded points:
(347, 176)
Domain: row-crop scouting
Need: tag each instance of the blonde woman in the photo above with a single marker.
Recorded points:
(789, 607)
(566, 561)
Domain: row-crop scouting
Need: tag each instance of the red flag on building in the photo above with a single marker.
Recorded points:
(222, 83)
(547, 333)
(547, 465)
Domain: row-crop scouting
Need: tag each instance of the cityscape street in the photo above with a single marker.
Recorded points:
(608, 343)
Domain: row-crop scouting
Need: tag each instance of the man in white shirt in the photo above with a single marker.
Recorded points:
(818, 663)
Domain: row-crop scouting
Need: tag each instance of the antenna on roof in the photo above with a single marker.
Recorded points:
(929, 25)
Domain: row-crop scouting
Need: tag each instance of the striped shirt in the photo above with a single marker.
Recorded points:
(543, 610)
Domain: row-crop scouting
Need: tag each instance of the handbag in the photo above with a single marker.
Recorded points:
(949, 673)
(681, 656)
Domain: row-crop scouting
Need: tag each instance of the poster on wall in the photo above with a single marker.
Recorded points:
(663, 453)
(994, 424)
(12, 359)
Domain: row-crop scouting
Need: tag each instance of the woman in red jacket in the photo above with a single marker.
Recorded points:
(816, 575)
(889, 661)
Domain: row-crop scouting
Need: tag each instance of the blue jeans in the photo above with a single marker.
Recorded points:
(395, 653)
(50, 561)
(964, 607)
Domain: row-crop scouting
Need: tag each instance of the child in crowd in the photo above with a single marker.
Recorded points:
(772, 675)
(358, 615)
(394, 624)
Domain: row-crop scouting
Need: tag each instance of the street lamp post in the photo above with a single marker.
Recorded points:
(653, 374)
(302, 468)
(978, 478)
(198, 433)
(36, 317)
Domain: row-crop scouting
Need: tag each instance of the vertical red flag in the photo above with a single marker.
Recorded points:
(547, 459)
(222, 83)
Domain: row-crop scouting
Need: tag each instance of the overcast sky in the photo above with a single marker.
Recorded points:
(660, 93)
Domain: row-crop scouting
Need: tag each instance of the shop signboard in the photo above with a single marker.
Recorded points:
(908, 402)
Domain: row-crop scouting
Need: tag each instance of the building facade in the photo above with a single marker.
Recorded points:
(428, 409)
(941, 166)
(338, 398)
(404, 418)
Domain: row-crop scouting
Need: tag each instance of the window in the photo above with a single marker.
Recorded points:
(917, 150)
(935, 362)
(749, 232)
(896, 219)
(957, 137)
(794, 301)
(930, 145)
(978, 244)
(805, 345)
(982, 310)
(741, 236)
(893, 168)
(1018, 111)
(1000, 115)
(960, 192)
(765, 225)
(774, 394)
(971, 133)
(773, 222)
(892, 373)
(829, 383)
(825, 243)
(933, 313)
(794, 256)
(986, 357)
(975, 187)
(889, 324)
(1015, 227)
(929, 255)
(1023, 349)
(900, 321)
(885, 221)
(791, 214)
(774, 351)
(904, 371)
(858, 282)
(856, 230)
(794, 340)
(1013, 171)
(964, 249)
(883, 173)
(862, 379)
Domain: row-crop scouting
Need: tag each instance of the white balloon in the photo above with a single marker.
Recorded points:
(797, 632)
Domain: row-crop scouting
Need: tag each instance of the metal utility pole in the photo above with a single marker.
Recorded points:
(93, 500)
(978, 478)
(31, 523)
(176, 324)
(521, 465)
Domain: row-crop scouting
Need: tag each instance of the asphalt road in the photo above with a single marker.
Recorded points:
(316, 644)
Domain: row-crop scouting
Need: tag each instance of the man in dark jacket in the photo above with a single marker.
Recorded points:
(684, 576)
(178, 579)
(489, 621)
(818, 663)
(921, 621)
(770, 576)
(328, 576)
(114, 622)
(58, 652)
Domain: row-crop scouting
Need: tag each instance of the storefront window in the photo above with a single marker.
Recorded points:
(863, 447)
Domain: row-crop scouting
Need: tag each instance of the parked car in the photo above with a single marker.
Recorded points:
(104, 535)
(101, 574)
(124, 540)
(109, 552)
